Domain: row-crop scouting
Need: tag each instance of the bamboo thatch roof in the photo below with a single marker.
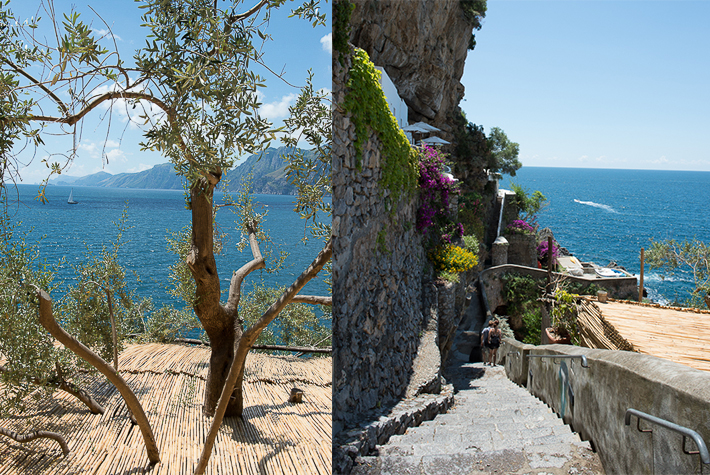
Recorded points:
(274, 436)
(677, 334)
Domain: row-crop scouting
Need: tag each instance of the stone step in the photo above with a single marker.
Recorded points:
(452, 443)
(502, 411)
(473, 420)
(445, 434)
(493, 427)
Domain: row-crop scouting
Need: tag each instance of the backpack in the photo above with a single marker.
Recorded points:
(484, 335)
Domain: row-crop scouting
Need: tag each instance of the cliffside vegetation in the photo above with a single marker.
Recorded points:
(437, 218)
(475, 12)
(473, 150)
(690, 256)
(369, 110)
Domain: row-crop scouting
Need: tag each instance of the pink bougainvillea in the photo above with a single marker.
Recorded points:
(436, 190)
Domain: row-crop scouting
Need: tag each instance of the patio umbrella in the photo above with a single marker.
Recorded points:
(415, 128)
(421, 127)
(435, 141)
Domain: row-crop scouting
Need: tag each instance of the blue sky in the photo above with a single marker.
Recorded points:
(595, 84)
(295, 48)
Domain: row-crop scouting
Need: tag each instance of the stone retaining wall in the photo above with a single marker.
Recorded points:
(377, 277)
(522, 249)
(362, 440)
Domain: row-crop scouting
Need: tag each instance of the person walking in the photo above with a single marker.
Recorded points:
(494, 336)
(484, 342)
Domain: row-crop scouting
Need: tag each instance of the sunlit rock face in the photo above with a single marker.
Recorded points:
(422, 45)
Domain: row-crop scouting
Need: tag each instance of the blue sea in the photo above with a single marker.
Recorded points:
(64, 231)
(604, 215)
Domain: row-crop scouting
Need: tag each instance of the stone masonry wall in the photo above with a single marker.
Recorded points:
(377, 276)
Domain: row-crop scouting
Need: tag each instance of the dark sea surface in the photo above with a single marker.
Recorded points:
(603, 215)
(66, 231)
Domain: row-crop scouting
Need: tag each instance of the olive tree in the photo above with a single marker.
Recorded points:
(194, 88)
(690, 255)
(95, 308)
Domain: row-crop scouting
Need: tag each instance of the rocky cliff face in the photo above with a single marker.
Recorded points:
(422, 45)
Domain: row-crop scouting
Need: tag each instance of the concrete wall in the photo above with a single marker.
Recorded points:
(522, 249)
(594, 401)
(397, 105)
(619, 288)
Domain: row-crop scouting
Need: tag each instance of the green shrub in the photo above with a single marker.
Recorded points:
(471, 243)
(521, 294)
(532, 319)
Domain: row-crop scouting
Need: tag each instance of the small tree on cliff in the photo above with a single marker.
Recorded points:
(689, 255)
(474, 150)
(194, 90)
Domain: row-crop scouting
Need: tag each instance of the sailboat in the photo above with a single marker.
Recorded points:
(71, 198)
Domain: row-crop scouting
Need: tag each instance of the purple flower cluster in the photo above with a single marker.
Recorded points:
(542, 252)
(521, 227)
(435, 189)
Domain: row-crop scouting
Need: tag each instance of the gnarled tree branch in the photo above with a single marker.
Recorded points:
(39, 84)
(312, 299)
(74, 390)
(248, 13)
(36, 434)
(46, 319)
(235, 285)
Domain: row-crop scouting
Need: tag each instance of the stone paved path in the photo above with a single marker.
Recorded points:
(495, 427)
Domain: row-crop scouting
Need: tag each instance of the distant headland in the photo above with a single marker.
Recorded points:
(268, 168)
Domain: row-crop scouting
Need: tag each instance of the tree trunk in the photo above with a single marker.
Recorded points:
(220, 322)
(221, 357)
(236, 372)
(236, 402)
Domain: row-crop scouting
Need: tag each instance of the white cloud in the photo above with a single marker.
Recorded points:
(115, 155)
(279, 109)
(89, 147)
(112, 144)
(102, 32)
(327, 43)
(139, 168)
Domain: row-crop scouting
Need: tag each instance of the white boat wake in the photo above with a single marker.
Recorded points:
(597, 205)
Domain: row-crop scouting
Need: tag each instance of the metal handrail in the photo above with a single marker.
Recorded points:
(684, 431)
(583, 357)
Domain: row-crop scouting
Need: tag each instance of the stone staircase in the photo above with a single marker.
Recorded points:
(495, 427)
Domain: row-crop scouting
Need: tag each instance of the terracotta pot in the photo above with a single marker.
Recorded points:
(554, 337)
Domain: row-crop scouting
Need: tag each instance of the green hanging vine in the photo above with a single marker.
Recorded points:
(341, 26)
(368, 108)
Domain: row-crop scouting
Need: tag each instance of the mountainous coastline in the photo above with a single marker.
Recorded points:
(268, 169)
